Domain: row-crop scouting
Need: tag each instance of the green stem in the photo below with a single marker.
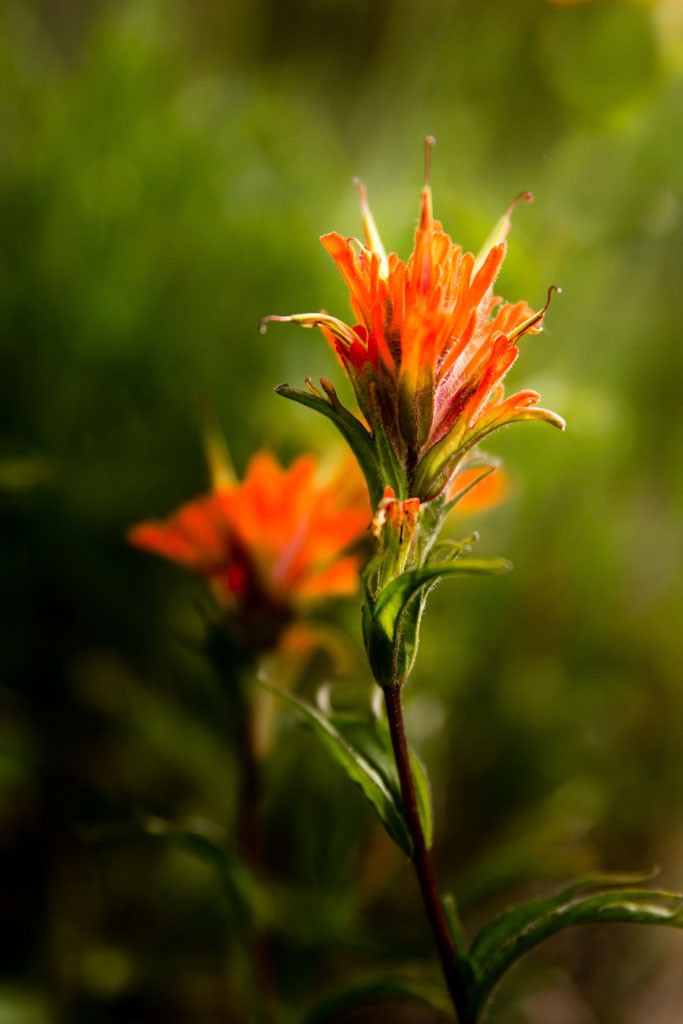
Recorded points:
(450, 964)
(249, 845)
(249, 783)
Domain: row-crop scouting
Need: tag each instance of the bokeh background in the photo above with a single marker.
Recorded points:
(165, 171)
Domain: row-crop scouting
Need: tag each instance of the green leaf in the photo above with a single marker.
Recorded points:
(455, 927)
(396, 641)
(418, 988)
(396, 595)
(201, 837)
(423, 793)
(498, 930)
(357, 765)
(351, 429)
(373, 740)
(208, 841)
(514, 933)
(391, 472)
(391, 623)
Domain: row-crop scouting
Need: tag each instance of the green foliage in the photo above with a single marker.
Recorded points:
(352, 430)
(502, 942)
(362, 748)
(411, 990)
(203, 839)
(391, 621)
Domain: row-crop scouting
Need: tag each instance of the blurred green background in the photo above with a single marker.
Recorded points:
(165, 171)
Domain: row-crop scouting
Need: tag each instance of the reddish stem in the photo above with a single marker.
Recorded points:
(421, 860)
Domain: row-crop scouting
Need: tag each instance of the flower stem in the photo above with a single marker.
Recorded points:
(249, 784)
(249, 845)
(450, 964)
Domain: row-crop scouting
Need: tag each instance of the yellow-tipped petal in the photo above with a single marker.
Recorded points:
(216, 452)
(341, 331)
(500, 230)
(373, 239)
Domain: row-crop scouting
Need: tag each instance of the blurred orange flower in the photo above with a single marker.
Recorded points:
(272, 545)
(475, 490)
(430, 346)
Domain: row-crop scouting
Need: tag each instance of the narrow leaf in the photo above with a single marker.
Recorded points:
(392, 472)
(456, 929)
(373, 741)
(415, 989)
(501, 944)
(351, 429)
(498, 931)
(391, 623)
(206, 840)
(357, 766)
(394, 597)
(201, 837)
(424, 798)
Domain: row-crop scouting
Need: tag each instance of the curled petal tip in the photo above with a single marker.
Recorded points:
(521, 197)
(312, 388)
(500, 230)
(263, 326)
(430, 142)
(536, 319)
(548, 416)
(553, 290)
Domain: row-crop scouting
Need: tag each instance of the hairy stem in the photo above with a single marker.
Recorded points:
(421, 860)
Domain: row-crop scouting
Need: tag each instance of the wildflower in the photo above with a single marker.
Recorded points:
(271, 546)
(427, 354)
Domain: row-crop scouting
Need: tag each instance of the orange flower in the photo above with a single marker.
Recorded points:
(474, 489)
(271, 545)
(431, 345)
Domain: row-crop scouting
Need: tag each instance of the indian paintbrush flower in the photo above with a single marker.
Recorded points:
(427, 354)
(271, 546)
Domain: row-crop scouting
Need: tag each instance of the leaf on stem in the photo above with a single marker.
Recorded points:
(352, 430)
(363, 749)
(202, 838)
(450, 908)
(391, 623)
(505, 940)
(416, 988)
(373, 740)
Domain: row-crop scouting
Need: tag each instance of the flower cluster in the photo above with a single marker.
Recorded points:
(271, 546)
(430, 347)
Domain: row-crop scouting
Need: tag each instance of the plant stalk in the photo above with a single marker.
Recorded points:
(422, 863)
(249, 844)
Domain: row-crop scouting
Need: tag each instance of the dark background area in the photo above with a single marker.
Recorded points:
(165, 171)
